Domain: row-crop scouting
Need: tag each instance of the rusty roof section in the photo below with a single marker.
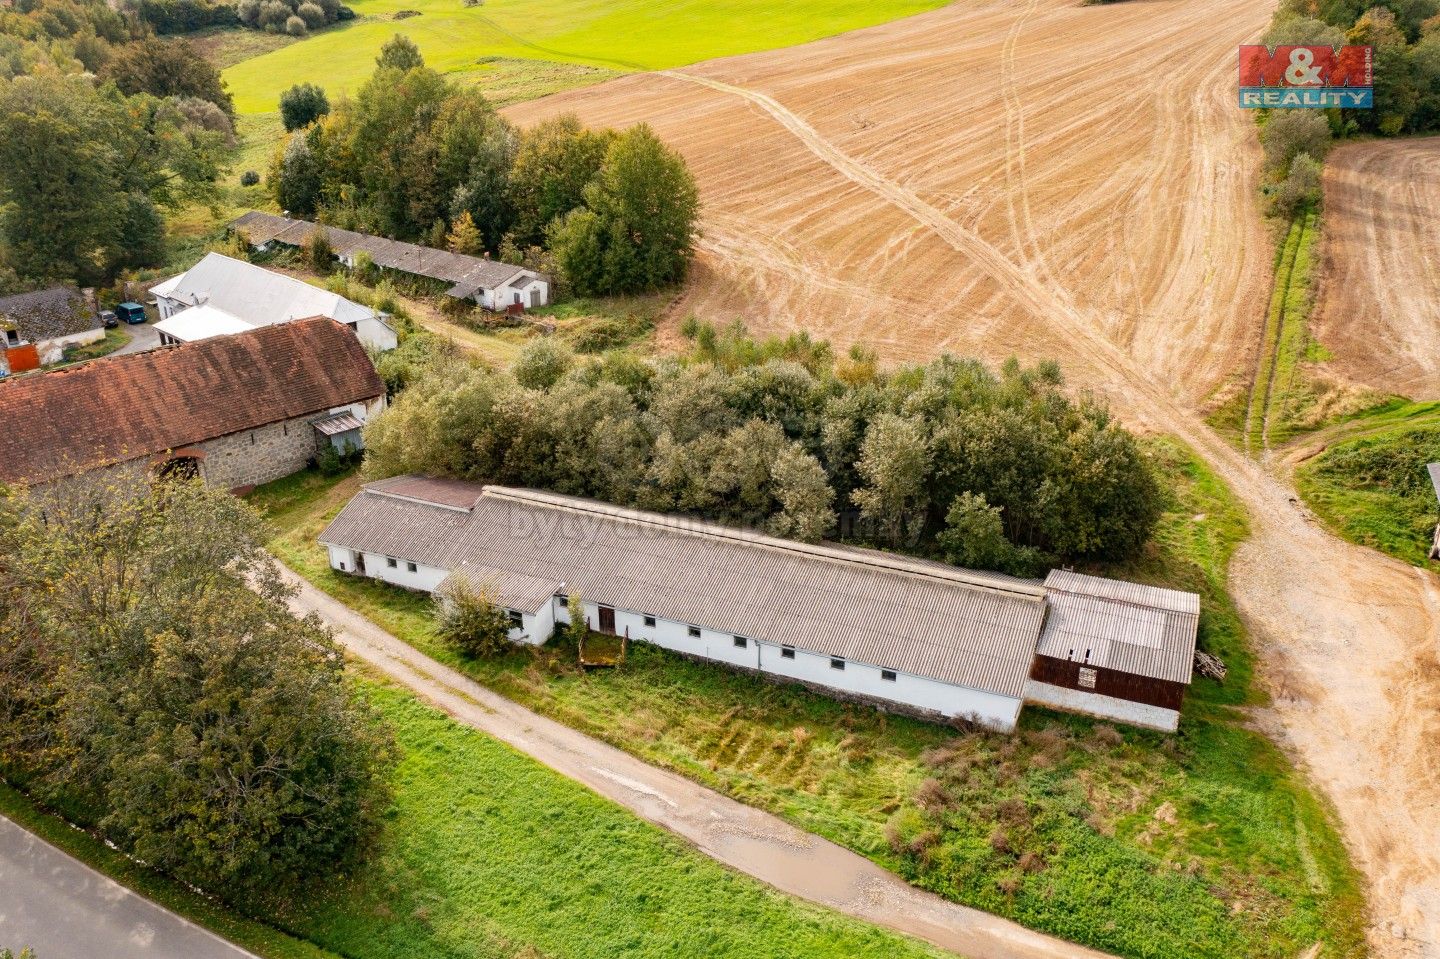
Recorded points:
(957, 626)
(125, 407)
(1142, 630)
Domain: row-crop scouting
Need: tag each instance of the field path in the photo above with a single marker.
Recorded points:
(1379, 308)
(1051, 180)
(742, 837)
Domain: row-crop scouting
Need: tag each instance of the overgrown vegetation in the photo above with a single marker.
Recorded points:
(154, 686)
(778, 435)
(1374, 489)
(1288, 392)
(1205, 844)
(415, 157)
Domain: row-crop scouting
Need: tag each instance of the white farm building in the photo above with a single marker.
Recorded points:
(903, 633)
(222, 296)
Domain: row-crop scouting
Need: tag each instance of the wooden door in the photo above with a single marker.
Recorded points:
(607, 620)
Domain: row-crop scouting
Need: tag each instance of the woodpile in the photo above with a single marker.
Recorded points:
(1211, 666)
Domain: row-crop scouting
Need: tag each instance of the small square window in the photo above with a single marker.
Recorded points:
(741, 642)
(836, 662)
(391, 562)
(342, 566)
(516, 620)
(888, 675)
(649, 620)
(787, 652)
(694, 632)
(410, 567)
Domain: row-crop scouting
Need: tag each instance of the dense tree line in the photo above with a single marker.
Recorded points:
(154, 685)
(412, 156)
(984, 468)
(102, 126)
(84, 171)
(1406, 38)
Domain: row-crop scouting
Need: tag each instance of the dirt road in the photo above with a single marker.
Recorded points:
(1379, 309)
(740, 836)
(1054, 180)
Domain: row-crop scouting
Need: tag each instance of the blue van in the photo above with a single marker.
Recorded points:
(131, 313)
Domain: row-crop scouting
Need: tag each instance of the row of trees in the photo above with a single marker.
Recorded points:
(154, 685)
(990, 469)
(1406, 38)
(416, 157)
(101, 126)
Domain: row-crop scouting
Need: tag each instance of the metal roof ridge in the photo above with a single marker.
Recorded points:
(900, 565)
(415, 499)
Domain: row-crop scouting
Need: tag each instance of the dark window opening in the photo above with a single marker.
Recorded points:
(888, 675)
(410, 567)
(694, 632)
(836, 662)
(741, 642)
(516, 620)
(391, 562)
(649, 620)
(787, 652)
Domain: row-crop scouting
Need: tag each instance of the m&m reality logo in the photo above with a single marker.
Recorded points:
(1306, 76)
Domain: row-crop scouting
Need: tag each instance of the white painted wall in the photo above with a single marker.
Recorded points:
(376, 335)
(988, 709)
(1105, 707)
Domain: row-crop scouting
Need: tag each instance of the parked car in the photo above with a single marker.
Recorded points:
(131, 312)
(109, 319)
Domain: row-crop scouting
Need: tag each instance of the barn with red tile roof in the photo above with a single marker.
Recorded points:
(236, 410)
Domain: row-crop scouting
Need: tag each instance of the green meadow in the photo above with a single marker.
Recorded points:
(623, 35)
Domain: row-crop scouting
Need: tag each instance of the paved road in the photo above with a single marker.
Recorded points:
(143, 336)
(63, 909)
(745, 839)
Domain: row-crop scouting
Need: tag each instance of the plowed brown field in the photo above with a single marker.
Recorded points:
(1379, 309)
(1051, 180)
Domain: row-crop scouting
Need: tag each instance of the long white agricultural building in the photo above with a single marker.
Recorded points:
(909, 634)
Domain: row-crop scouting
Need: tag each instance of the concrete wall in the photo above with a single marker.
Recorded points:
(1104, 707)
(53, 350)
(376, 335)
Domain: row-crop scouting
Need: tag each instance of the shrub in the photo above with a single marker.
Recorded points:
(249, 178)
(1299, 189)
(206, 116)
(304, 103)
(470, 621)
(542, 363)
(273, 14)
(319, 254)
(249, 12)
(1289, 133)
(295, 27)
(313, 15)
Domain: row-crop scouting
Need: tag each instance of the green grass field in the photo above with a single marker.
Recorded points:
(1206, 844)
(1372, 488)
(486, 854)
(624, 35)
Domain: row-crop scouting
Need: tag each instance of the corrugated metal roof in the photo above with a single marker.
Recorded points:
(971, 629)
(468, 273)
(1138, 629)
(509, 589)
(339, 423)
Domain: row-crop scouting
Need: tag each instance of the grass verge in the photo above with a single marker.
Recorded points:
(1372, 488)
(115, 339)
(259, 938)
(1205, 844)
